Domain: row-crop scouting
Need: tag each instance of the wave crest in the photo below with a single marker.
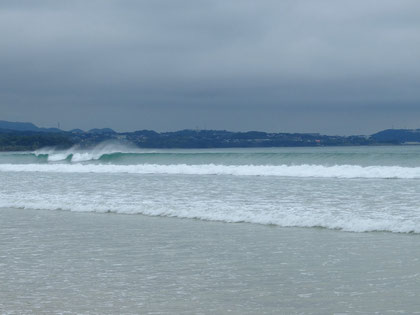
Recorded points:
(77, 154)
(347, 224)
(306, 170)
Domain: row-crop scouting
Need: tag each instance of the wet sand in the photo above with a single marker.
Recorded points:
(64, 262)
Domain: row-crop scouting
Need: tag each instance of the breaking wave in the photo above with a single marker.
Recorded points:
(306, 170)
(349, 224)
(123, 154)
(76, 154)
(260, 186)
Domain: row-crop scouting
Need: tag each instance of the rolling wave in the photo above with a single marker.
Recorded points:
(305, 170)
(276, 157)
(76, 154)
(349, 224)
(43, 180)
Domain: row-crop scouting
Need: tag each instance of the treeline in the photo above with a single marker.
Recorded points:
(226, 139)
(24, 141)
(12, 140)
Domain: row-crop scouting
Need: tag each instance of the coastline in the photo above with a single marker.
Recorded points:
(36, 138)
(60, 261)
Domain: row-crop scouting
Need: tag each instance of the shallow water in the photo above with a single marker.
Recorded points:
(58, 262)
(242, 231)
(352, 188)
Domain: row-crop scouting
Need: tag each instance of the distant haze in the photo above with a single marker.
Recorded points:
(328, 66)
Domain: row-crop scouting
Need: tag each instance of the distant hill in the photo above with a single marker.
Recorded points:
(102, 131)
(18, 126)
(145, 133)
(76, 131)
(27, 136)
(25, 126)
(397, 135)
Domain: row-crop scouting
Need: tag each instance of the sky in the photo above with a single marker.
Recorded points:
(333, 67)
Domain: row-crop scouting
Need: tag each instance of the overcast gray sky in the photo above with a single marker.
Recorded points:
(335, 67)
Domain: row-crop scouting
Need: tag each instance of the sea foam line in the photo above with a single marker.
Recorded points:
(306, 170)
(355, 224)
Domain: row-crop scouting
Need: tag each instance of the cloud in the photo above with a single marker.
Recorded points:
(209, 58)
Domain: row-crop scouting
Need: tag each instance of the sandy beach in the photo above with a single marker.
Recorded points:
(63, 262)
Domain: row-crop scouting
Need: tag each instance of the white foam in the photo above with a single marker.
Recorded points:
(348, 224)
(77, 154)
(337, 171)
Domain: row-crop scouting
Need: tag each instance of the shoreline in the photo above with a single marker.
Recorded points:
(196, 219)
(227, 148)
(60, 261)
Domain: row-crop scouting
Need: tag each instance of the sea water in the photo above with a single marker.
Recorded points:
(355, 189)
(319, 230)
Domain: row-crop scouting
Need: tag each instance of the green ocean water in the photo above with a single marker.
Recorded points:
(342, 188)
(111, 154)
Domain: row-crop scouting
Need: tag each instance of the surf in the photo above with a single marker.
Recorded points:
(306, 170)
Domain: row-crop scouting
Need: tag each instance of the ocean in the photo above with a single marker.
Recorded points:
(117, 229)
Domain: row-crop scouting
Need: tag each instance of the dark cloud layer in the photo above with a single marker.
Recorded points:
(328, 66)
